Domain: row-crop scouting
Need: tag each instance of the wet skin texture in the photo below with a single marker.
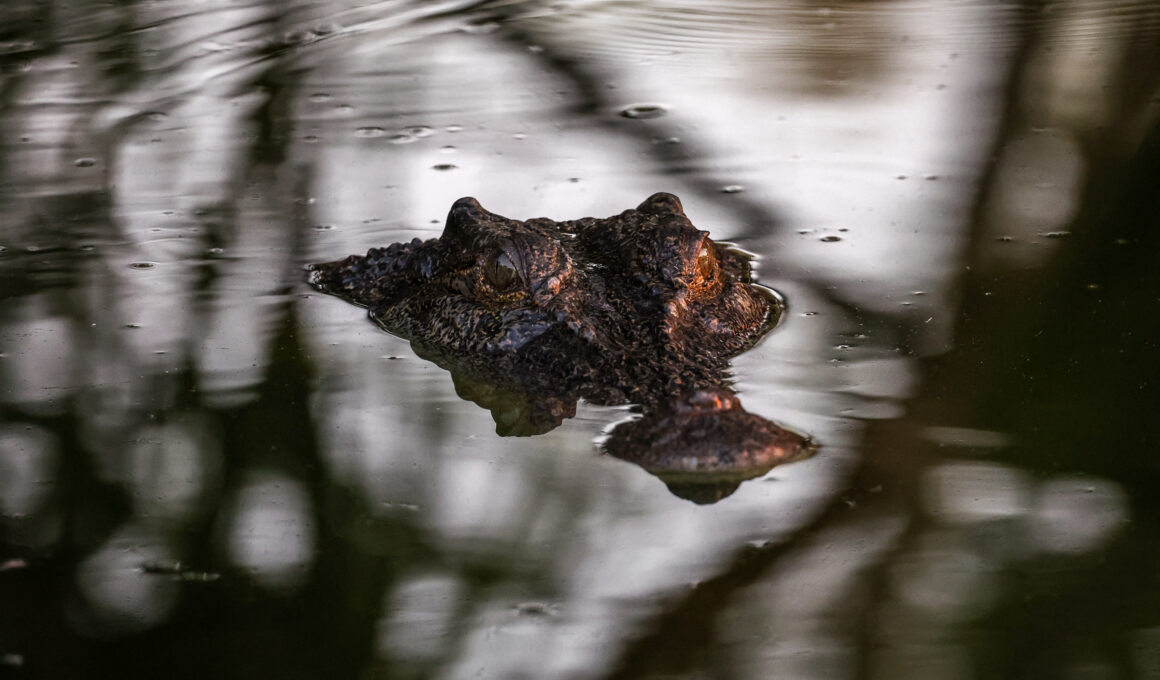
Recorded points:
(641, 308)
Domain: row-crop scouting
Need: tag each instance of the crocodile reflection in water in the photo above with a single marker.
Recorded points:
(639, 308)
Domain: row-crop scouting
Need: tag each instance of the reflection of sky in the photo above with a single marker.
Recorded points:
(271, 533)
(117, 597)
(884, 155)
(28, 467)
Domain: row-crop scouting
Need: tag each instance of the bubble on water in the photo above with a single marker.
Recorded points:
(644, 111)
(370, 132)
(809, 313)
(3, 248)
(344, 108)
(1055, 234)
(320, 97)
(131, 326)
(520, 135)
(444, 166)
(215, 251)
(732, 189)
(310, 139)
(157, 116)
(142, 265)
(930, 177)
(900, 177)
(573, 180)
(411, 134)
(454, 128)
(447, 149)
(323, 227)
(85, 162)
(830, 239)
(1004, 239)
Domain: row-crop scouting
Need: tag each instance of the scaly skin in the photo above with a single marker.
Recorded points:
(641, 307)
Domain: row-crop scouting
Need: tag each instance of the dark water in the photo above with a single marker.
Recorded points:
(209, 470)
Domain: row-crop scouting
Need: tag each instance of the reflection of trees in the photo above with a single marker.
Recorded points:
(1056, 354)
(113, 377)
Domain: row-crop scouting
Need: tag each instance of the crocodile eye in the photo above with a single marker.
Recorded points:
(501, 273)
(706, 261)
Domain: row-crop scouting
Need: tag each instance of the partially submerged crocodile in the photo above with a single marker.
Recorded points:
(639, 308)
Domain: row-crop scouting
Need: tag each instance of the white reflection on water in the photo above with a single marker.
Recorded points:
(173, 468)
(37, 370)
(421, 618)
(119, 597)
(946, 579)
(973, 492)
(249, 302)
(480, 500)
(1059, 515)
(1039, 177)
(30, 462)
(796, 622)
(507, 640)
(635, 548)
(29, 458)
(1077, 515)
(270, 532)
(1068, 515)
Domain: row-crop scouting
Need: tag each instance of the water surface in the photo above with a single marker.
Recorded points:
(207, 469)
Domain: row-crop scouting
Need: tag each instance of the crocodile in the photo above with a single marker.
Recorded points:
(640, 308)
